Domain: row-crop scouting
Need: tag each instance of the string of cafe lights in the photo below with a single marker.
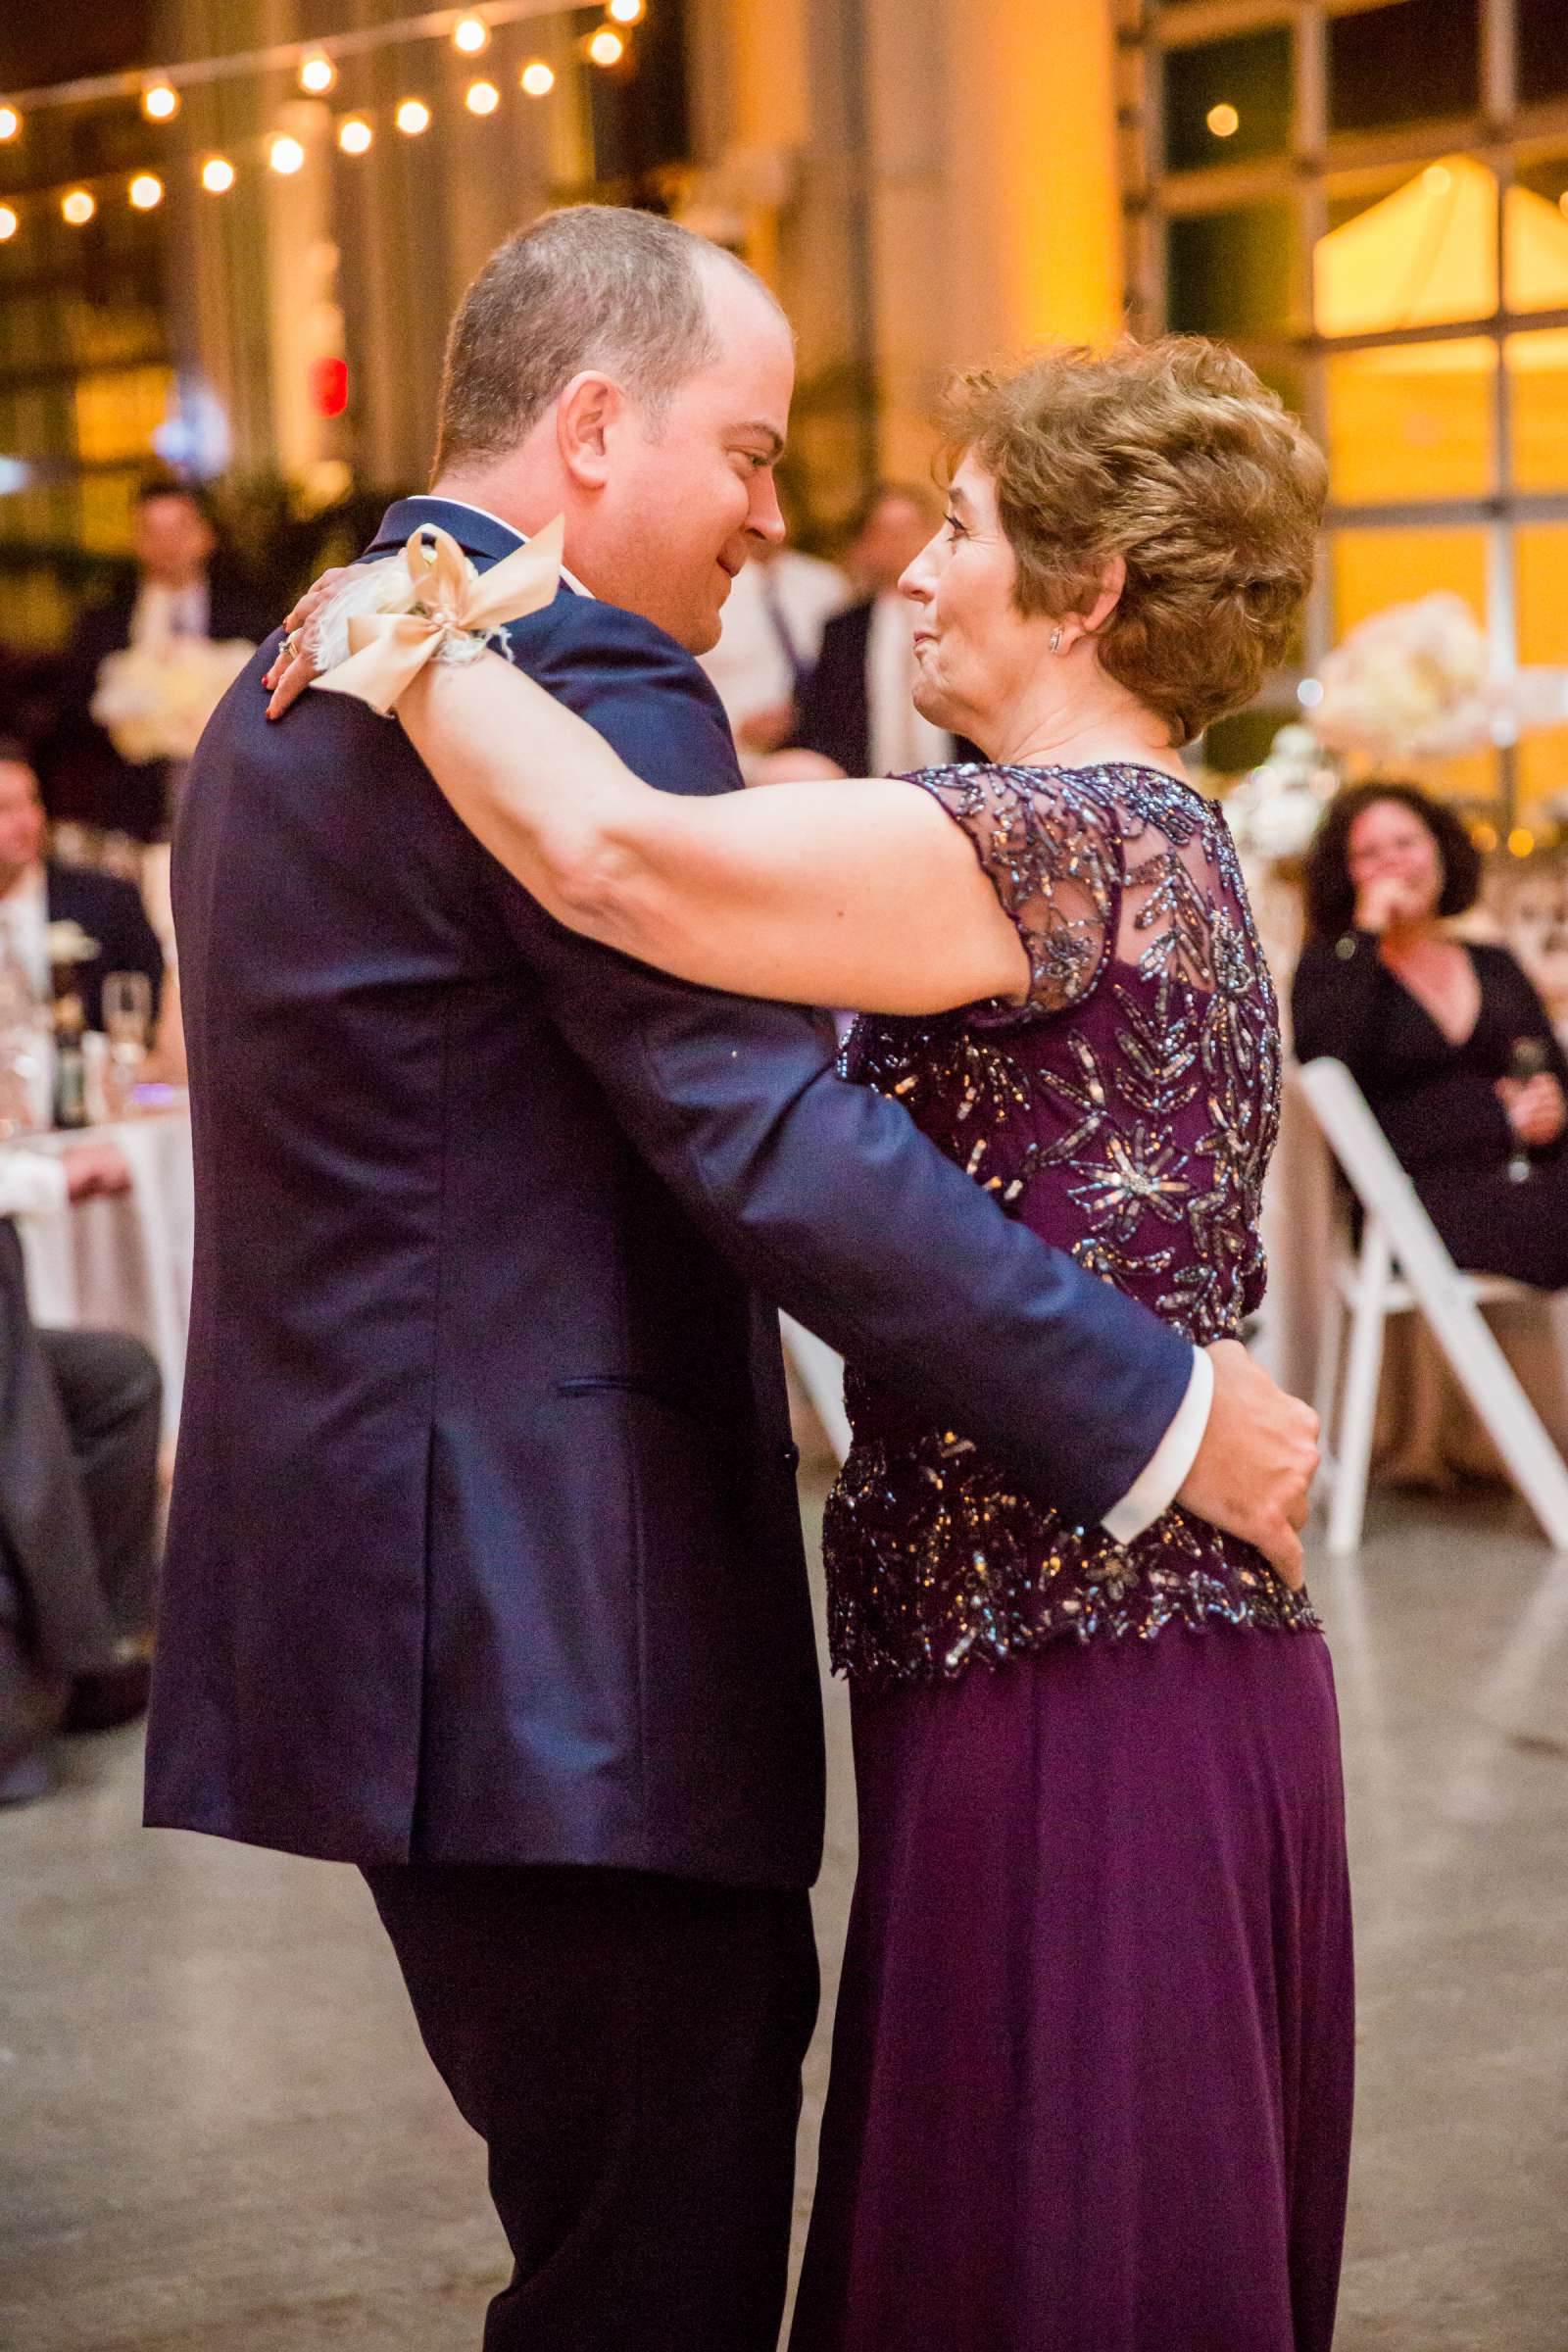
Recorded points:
(317, 68)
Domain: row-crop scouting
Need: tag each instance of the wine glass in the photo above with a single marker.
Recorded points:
(1528, 1057)
(129, 1021)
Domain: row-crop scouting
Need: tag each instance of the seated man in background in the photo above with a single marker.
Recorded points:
(858, 709)
(36, 892)
(80, 1422)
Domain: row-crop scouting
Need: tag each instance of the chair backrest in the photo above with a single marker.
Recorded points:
(1376, 1177)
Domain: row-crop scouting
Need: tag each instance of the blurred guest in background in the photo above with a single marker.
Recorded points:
(1445, 1037)
(770, 641)
(36, 892)
(79, 1419)
(178, 592)
(858, 709)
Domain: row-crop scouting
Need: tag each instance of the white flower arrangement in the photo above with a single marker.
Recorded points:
(155, 698)
(1274, 812)
(1414, 683)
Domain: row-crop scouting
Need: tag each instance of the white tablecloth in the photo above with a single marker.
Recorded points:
(123, 1263)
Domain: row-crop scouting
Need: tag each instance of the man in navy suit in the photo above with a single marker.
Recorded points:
(485, 1571)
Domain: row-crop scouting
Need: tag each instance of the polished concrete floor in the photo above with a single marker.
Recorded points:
(218, 2133)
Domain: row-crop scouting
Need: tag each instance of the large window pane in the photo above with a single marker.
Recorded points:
(1542, 50)
(1415, 422)
(1422, 256)
(1537, 388)
(1536, 236)
(1541, 578)
(1229, 273)
(1373, 569)
(1227, 100)
(1403, 63)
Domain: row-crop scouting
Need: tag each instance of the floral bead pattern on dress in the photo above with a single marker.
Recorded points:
(1125, 1111)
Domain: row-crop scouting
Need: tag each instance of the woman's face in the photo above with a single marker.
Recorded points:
(1389, 842)
(975, 652)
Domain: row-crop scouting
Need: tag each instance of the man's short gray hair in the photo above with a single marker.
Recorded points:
(594, 286)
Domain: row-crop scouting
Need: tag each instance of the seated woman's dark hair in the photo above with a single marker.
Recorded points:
(1330, 892)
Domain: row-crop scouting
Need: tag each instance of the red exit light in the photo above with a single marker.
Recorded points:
(330, 386)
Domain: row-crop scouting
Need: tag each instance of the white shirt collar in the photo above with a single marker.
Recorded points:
(469, 508)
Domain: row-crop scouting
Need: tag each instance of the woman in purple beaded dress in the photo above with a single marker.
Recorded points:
(1092, 2064)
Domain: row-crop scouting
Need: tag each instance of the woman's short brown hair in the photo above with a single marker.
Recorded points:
(1174, 456)
(1330, 892)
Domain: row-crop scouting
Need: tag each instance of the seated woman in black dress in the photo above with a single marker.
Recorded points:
(1447, 1038)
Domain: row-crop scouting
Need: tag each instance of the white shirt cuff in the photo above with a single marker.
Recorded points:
(31, 1185)
(1155, 1489)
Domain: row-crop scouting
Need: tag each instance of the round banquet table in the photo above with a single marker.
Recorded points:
(123, 1263)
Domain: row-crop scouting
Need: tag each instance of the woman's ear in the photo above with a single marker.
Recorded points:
(1112, 581)
(586, 416)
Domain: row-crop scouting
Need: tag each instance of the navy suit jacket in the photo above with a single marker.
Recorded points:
(484, 1544)
(112, 912)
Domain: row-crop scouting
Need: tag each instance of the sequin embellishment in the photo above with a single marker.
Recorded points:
(1126, 1111)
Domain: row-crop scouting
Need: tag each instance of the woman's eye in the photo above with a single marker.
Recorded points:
(956, 530)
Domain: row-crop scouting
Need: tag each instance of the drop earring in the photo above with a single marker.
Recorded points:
(1056, 641)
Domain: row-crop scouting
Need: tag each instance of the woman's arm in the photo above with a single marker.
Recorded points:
(863, 894)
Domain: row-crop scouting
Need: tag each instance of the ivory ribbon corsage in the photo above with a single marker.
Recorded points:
(373, 637)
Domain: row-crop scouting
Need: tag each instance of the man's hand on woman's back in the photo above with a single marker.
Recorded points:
(1253, 1473)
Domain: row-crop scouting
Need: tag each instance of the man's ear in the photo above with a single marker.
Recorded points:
(587, 415)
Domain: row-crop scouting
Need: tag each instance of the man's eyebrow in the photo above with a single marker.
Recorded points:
(763, 432)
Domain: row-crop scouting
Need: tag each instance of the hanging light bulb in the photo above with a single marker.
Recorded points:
(285, 156)
(78, 206)
(627, 11)
(159, 102)
(318, 74)
(413, 117)
(218, 175)
(607, 48)
(9, 223)
(353, 135)
(483, 98)
(10, 124)
(146, 191)
(537, 79)
(470, 35)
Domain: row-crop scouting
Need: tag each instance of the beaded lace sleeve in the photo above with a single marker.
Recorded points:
(1053, 859)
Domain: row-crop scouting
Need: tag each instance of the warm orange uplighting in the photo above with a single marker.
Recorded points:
(9, 223)
(470, 35)
(626, 12)
(285, 156)
(146, 191)
(1224, 122)
(159, 102)
(537, 79)
(482, 98)
(413, 117)
(607, 48)
(1521, 841)
(218, 175)
(77, 207)
(353, 135)
(318, 74)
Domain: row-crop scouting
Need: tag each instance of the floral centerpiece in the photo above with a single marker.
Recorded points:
(155, 698)
(1415, 682)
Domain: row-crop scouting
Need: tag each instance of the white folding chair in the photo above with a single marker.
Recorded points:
(1403, 1267)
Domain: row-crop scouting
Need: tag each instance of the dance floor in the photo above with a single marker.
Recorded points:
(221, 2133)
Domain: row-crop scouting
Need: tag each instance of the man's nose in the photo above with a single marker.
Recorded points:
(767, 518)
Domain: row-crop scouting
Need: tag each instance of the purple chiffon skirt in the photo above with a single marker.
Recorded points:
(1093, 2059)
